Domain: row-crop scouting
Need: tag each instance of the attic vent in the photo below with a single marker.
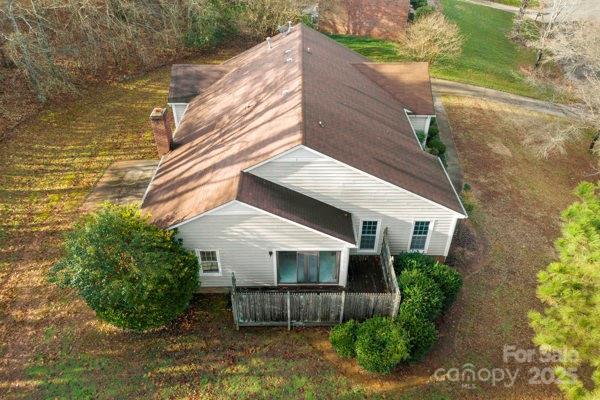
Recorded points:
(322, 124)
(288, 51)
(285, 29)
(289, 60)
(285, 92)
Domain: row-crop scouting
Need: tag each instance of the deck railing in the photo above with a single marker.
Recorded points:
(286, 308)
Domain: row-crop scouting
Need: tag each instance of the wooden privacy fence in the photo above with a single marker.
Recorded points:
(387, 263)
(279, 308)
(272, 307)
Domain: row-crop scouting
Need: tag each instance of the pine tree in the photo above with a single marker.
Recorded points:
(570, 291)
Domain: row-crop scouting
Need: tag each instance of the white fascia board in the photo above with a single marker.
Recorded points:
(152, 180)
(465, 215)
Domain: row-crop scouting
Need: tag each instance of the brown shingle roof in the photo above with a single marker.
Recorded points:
(305, 90)
(189, 80)
(408, 83)
(297, 207)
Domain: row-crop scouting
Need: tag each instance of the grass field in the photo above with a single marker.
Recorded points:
(52, 346)
(489, 58)
(517, 3)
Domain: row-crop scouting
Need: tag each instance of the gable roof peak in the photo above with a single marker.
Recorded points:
(273, 99)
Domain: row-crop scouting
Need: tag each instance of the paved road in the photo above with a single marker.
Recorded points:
(588, 9)
(441, 87)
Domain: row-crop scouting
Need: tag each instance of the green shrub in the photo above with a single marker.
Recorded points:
(421, 136)
(423, 10)
(436, 147)
(422, 333)
(469, 201)
(343, 338)
(448, 280)
(412, 260)
(434, 130)
(421, 293)
(132, 273)
(211, 24)
(416, 4)
(381, 344)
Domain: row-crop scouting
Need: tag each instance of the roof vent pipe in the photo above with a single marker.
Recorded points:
(269, 43)
(289, 27)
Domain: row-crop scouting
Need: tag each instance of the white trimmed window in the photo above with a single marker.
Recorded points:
(369, 231)
(420, 236)
(209, 261)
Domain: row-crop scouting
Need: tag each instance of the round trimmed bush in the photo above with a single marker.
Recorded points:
(448, 280)
(422, 294)
(412, 260)
(343, 338)
(133, 274)
(422, 333)
(381, 344)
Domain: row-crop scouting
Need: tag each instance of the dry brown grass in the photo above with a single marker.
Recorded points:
(52, 346)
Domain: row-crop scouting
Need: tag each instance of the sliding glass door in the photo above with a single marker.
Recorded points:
(308, 267)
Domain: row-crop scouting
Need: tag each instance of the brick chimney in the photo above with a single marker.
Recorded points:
(163, 135)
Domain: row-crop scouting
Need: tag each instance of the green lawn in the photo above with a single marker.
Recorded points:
(489, 58)
(517, 3)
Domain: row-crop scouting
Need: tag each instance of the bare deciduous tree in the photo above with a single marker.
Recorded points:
(56, 44)
(575, 47)
(518, 21)
(431, 38)
(555, 14)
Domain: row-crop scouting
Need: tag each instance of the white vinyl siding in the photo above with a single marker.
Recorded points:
(244, 241)
(420, 122)
(365, 197)
(178, 111)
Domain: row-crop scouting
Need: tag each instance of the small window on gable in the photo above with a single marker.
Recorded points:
(209, 262)
(368, 234)
(420, 234)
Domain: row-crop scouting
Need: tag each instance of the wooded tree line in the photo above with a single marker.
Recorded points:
(58, 43)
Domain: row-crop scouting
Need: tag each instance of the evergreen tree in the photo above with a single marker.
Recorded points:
(570, 291)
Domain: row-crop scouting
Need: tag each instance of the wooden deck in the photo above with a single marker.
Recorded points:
(371, 290)
(365, 275)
